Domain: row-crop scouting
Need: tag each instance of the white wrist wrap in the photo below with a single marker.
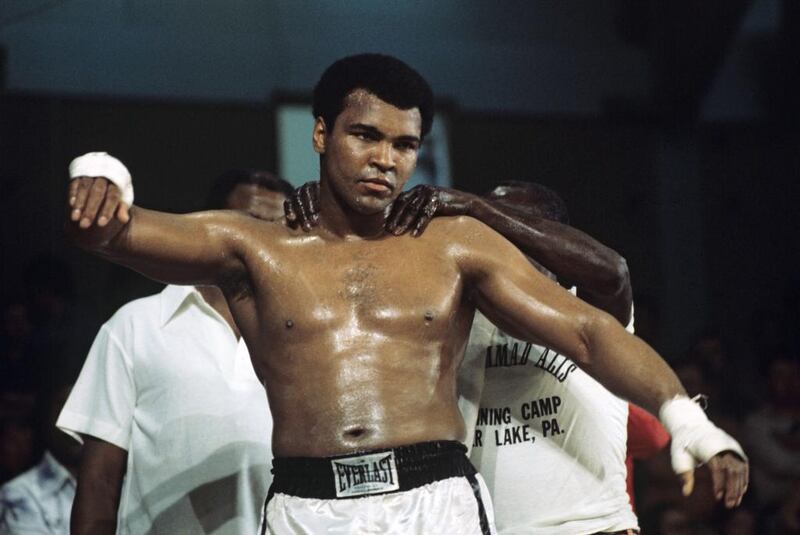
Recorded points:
(695, 439)
(101, 164)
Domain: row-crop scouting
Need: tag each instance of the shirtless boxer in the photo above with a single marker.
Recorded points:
(543, 479)
(358, 334)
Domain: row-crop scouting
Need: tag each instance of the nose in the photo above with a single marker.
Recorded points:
(383, 156)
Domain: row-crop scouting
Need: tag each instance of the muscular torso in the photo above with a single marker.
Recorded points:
(357, 341)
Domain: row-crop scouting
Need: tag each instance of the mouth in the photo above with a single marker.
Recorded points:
(377, 185)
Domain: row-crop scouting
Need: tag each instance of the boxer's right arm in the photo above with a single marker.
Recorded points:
(195, 248)
(102, 468)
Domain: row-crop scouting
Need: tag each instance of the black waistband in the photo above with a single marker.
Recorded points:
(417, 465)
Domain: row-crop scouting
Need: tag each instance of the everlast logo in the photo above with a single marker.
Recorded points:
(365, 474)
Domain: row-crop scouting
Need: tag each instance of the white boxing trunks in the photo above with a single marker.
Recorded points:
(424, 488)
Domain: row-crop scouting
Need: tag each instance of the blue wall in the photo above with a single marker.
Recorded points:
(517, 56)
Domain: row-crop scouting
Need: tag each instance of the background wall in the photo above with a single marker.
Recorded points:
(667, 127)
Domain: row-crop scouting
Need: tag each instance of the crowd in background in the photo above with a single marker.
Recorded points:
(753, 393)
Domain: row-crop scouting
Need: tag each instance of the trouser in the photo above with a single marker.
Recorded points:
(423, 488)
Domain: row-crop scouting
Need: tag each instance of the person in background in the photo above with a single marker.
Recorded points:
(39, 501)
(169, 408)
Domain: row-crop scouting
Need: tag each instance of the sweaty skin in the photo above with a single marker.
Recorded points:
(356, 334)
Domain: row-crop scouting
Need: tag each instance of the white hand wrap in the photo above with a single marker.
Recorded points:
(101, 164)
(695, 439)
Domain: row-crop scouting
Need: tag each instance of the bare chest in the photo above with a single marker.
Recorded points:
(378, 286)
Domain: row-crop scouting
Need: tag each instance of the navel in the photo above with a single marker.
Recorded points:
(355, 433)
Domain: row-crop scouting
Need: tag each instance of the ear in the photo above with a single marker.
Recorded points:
(318, 136)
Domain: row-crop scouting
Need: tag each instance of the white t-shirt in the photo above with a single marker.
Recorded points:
(549, 440)
(167, 380)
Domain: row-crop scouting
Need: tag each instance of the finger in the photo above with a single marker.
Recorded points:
(123, 213)
(736, 484)
(81, 194)
(410, 215)
(302, 217)
(421, 225)
(97, 194)
(302, 214)
(409, 212)
(288, 212)
(687, 482)
(740, 483)
(73, 191)
(427, 214)
(397, 210)
(732, 487)
(718, 477)
(404, 216)
(109, 206)
(314, 189)
(308, 204)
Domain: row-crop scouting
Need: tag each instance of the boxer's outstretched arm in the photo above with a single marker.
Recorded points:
(528, 305)
(196, 248)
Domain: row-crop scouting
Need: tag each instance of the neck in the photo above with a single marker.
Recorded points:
(216, 299)
(341, 220)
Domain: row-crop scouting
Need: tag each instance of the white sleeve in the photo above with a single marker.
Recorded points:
(102, 401)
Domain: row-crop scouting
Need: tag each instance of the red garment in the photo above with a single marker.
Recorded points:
(646, 437)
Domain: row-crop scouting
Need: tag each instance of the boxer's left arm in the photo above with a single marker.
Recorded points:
(600, 273)
(526, 304)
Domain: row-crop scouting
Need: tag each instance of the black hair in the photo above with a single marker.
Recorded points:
(227, 182)
(386, 77)
(547, 203)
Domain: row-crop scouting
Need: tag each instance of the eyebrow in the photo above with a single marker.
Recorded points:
(377, 132)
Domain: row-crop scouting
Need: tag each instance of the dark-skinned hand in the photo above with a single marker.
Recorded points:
(729, 475)
(414, 209)
(301, 208)
(411, 211)
(95, 200)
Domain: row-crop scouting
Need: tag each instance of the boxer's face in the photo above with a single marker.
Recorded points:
(256, 201)
(370, 153)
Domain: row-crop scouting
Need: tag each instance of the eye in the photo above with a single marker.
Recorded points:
(365, 136)
(406, 146)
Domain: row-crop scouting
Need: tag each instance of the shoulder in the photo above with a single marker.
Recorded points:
(135, 311)
(137, 306)
(463, 230)
(239, 227)
(471, 242)
(458, 223)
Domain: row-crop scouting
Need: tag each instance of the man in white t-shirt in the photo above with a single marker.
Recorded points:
(549, 440)
(170, 410)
